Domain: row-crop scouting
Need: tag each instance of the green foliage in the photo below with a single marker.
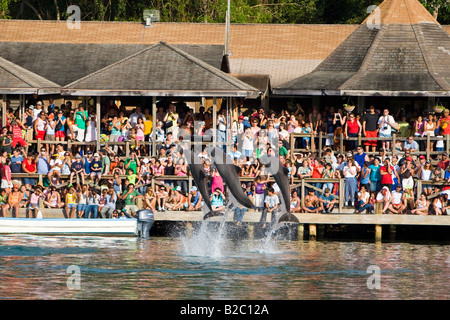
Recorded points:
(212, 11)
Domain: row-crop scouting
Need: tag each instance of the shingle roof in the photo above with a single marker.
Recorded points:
(161, 70)
(408, 54)
(64, 63)
(17, 80)
(283, 51)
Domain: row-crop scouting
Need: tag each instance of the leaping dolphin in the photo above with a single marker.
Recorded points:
(281, 175)
(198, 173)
(230, 175)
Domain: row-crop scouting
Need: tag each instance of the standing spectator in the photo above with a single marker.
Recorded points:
(82, 194)
(171, 121)
(385, 124)
(60, 126)
(352, 129)
(351, 184)
(116, 132)
(71, 202)
(370, 128)
(29, 166)
(17, 135)
(50, 134)
(375, 175)
(92, 201)
(222, 129)
(81, 116)
(39, 126)
(132, 162)
(386, 174)
(6, 176)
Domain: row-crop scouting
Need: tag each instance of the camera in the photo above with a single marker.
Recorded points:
(385, 128)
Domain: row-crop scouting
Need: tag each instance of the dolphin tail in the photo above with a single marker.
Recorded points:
(212, 214)
(288, 217)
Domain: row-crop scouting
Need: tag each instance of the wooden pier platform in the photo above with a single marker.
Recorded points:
(312, 221)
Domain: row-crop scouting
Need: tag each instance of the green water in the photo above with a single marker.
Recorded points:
(38, 267)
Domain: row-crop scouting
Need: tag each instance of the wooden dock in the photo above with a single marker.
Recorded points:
(306, 220)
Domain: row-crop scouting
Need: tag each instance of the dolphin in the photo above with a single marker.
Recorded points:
(230, 175)
(198, 173)
(281, 175)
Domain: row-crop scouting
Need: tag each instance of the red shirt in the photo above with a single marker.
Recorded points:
(386, 178)
(30, 166)
(352, 127)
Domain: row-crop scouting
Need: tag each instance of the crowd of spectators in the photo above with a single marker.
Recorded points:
(113, 182)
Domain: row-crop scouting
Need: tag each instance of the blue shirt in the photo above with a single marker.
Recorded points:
(375, 174)
(42, 165)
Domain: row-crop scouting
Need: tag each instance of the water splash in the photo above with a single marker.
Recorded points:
(208, 240)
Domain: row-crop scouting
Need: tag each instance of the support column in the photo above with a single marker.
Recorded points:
(154, 126)
(99, 118)
(214, 125)
(3, 110)
(300, 231)
(312, 232)
(378, 228)
(251, 231)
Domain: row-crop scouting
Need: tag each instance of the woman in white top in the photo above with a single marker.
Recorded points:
(421, 205)
(247, 144)
(425, 174)
(91, 129)
(351, 184)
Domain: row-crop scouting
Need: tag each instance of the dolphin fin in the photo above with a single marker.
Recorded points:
(238, 169)
(212, 214)
(288, 217)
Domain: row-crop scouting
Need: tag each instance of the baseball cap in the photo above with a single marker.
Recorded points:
(193, 188)
(78, 156)
(241, 118)
(422, 157)
(89, 152)
(96, 155)
(409, 159)
(178, 188)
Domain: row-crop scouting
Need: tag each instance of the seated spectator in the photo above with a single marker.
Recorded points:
(176, 200)
(92, 201)
(363, 202)
(96, 169)
(194, 200)
(150, 199)
(422, 205)
(109, 205)
(77, 169)
(217, 200)
(384, 197)
(296, 204)
(54, 174)
(312, 203)
(161, 196)
(271, 205)
(33, 202)
(130, 197)
(327, 201)
(14, 199)
(53, 199)
(410, 144)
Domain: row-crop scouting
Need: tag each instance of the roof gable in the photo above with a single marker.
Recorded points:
(161, 69)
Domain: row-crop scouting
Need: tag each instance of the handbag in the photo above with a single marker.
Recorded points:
(169, 124)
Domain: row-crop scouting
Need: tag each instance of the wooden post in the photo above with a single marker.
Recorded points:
(214, 124)
(447, 144)
(392, 232)
(428, 151)
(320, 145)
(154, 121)
(99, 118)
(341, 143)
(189, 229)
(378, 228)
(251, 231)
(300, 231)
(341, 194)
(3, 110)
(312, 232)
(394, 142)
(302, 192)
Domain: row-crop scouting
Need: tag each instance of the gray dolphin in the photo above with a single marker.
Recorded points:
(230, 175)
(198, 173)
(281, 175)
